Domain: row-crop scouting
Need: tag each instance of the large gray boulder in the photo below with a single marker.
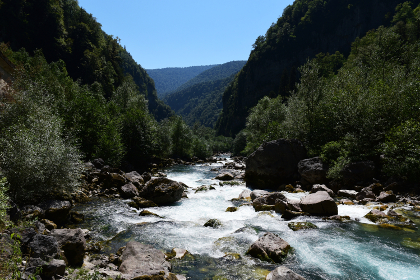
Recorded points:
(42, 246)
(283, 273)
(162, 190)
(135, 178)
(274, 163)
(140, 259)
(128, 191)
(73, 243)
(312, 171)
(258, 193)
(269, 247)
(270, 199)
(319, 203)
(56, 210)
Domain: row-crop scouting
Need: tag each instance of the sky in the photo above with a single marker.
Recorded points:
(182, 33)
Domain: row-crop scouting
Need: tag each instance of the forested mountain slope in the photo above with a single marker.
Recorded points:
(169, 79)
(65, 31)
(305, 29)
(200, 99)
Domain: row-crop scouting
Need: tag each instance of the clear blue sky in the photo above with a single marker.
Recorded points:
(181, 33)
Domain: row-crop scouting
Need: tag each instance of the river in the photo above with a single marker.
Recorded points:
(350, 250)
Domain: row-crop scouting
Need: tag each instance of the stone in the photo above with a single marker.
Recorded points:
(258, 193)
(214, 223)
(347, 193)
(135, 178)
(319, 203)
(148, 213)
(76, 217)
(283, 273)
(139, 202)
(346, 201)
(139, 259)
(6, 246)
(313, 171)
(319, 187)
(288, 214)
(31, 212)
(162, 190)
(98, 163)
(269, 247)
(177, 253)
(52, 268)
(73, 243)
(129, 191)
(226, 176)
(48, 224)
(231, 209)
(387, 196)
(267, 202)
(338, 218)
(245, 194)
(365, 193)
(274, 163)
(295, 226)
(56, 210)
(41, 246)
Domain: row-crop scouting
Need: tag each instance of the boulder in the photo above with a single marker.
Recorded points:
(148, 213)
(347, 193)
(98, 163)
(226, 176)
(214, 223)
(319, 203)
(245, 194)
(274, 163)
(48, 224)
(365, 193)
(319, 187)
(358, 173)
(56, 210)
(6, 246)
(140, 259)
(162, 190)
(288, 214)
(261, 203)
(387, 196)
(269, 247)
(76, 217)
(177, 253)
(283, 273)
(73, 243)
(41, 246)
(258, 193)
(295, 226)
(312, 171)
(31, 212)
(128, 191)
(52, 268)
(140, 202)
(135, 178)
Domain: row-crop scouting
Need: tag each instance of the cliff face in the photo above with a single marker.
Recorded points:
(321, 26)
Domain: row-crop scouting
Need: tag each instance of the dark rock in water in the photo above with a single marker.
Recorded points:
(225, 176)
(365, 193)
(313, 171)
(214, 223)
(42, 246)
(148, 213)
(376, 188)
(387, 196)
(139, 259)
(295, 226)
(114, 180)
(267, 202)
(139, 202)
(177, 253)
(232, 209)
(258, 193)
(358, 173)
(319, 187)
(73, 243)
(319, 203)
(288, 214)
(129, 191)
(31, 212)
(283, 273)
(393, 220)
(269, 247)
(135, 178)
(76, 217)
(347, 193)
(274, 163)
(162, 190)
(56, 210)
(338, 218)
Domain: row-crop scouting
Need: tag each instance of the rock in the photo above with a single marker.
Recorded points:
(319, 203)
(231, 209)
(76, 217)
(283, 273)
(280, 206)
(346, 201)
(129, 191)
(295, 226)
(162, 190)
(376, 188)
(267, 202)
(139, 202)
(226, 176)
(56, 211)
(347, 193)
(6, 246)
(313, 171)
(148, 213)
(73, 243)
(42, 246)
(52, 268)
(274, 163)
(357, 173)
(135, 178)
(318, 187)
(31, 212)
(114, 180)
(202, 189)
(365, 193)
(337, 218)
(245, 194)
(177, 253)
(98, 163)
(146, 176)
(140, 259)
(214, 223)
(387, 196)
(258, 193)
(48, 224)
(288, 214)
(270, 248)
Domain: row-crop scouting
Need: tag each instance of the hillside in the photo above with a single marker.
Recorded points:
(200, 99)
(169, 79)
(305, 29)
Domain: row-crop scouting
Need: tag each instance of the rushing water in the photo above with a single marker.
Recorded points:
(351, 250)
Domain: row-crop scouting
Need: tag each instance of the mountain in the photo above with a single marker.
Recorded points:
(169, 79)
(65, 31)
(200, 99)
(305, 29)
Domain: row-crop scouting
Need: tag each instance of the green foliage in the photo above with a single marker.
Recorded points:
(239, 143)
(4, 202)
(402, 151)
(181, 139)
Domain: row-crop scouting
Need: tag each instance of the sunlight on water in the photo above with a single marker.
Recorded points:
(350, 250)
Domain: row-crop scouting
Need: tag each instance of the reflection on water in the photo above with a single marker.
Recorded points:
(352, 250)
